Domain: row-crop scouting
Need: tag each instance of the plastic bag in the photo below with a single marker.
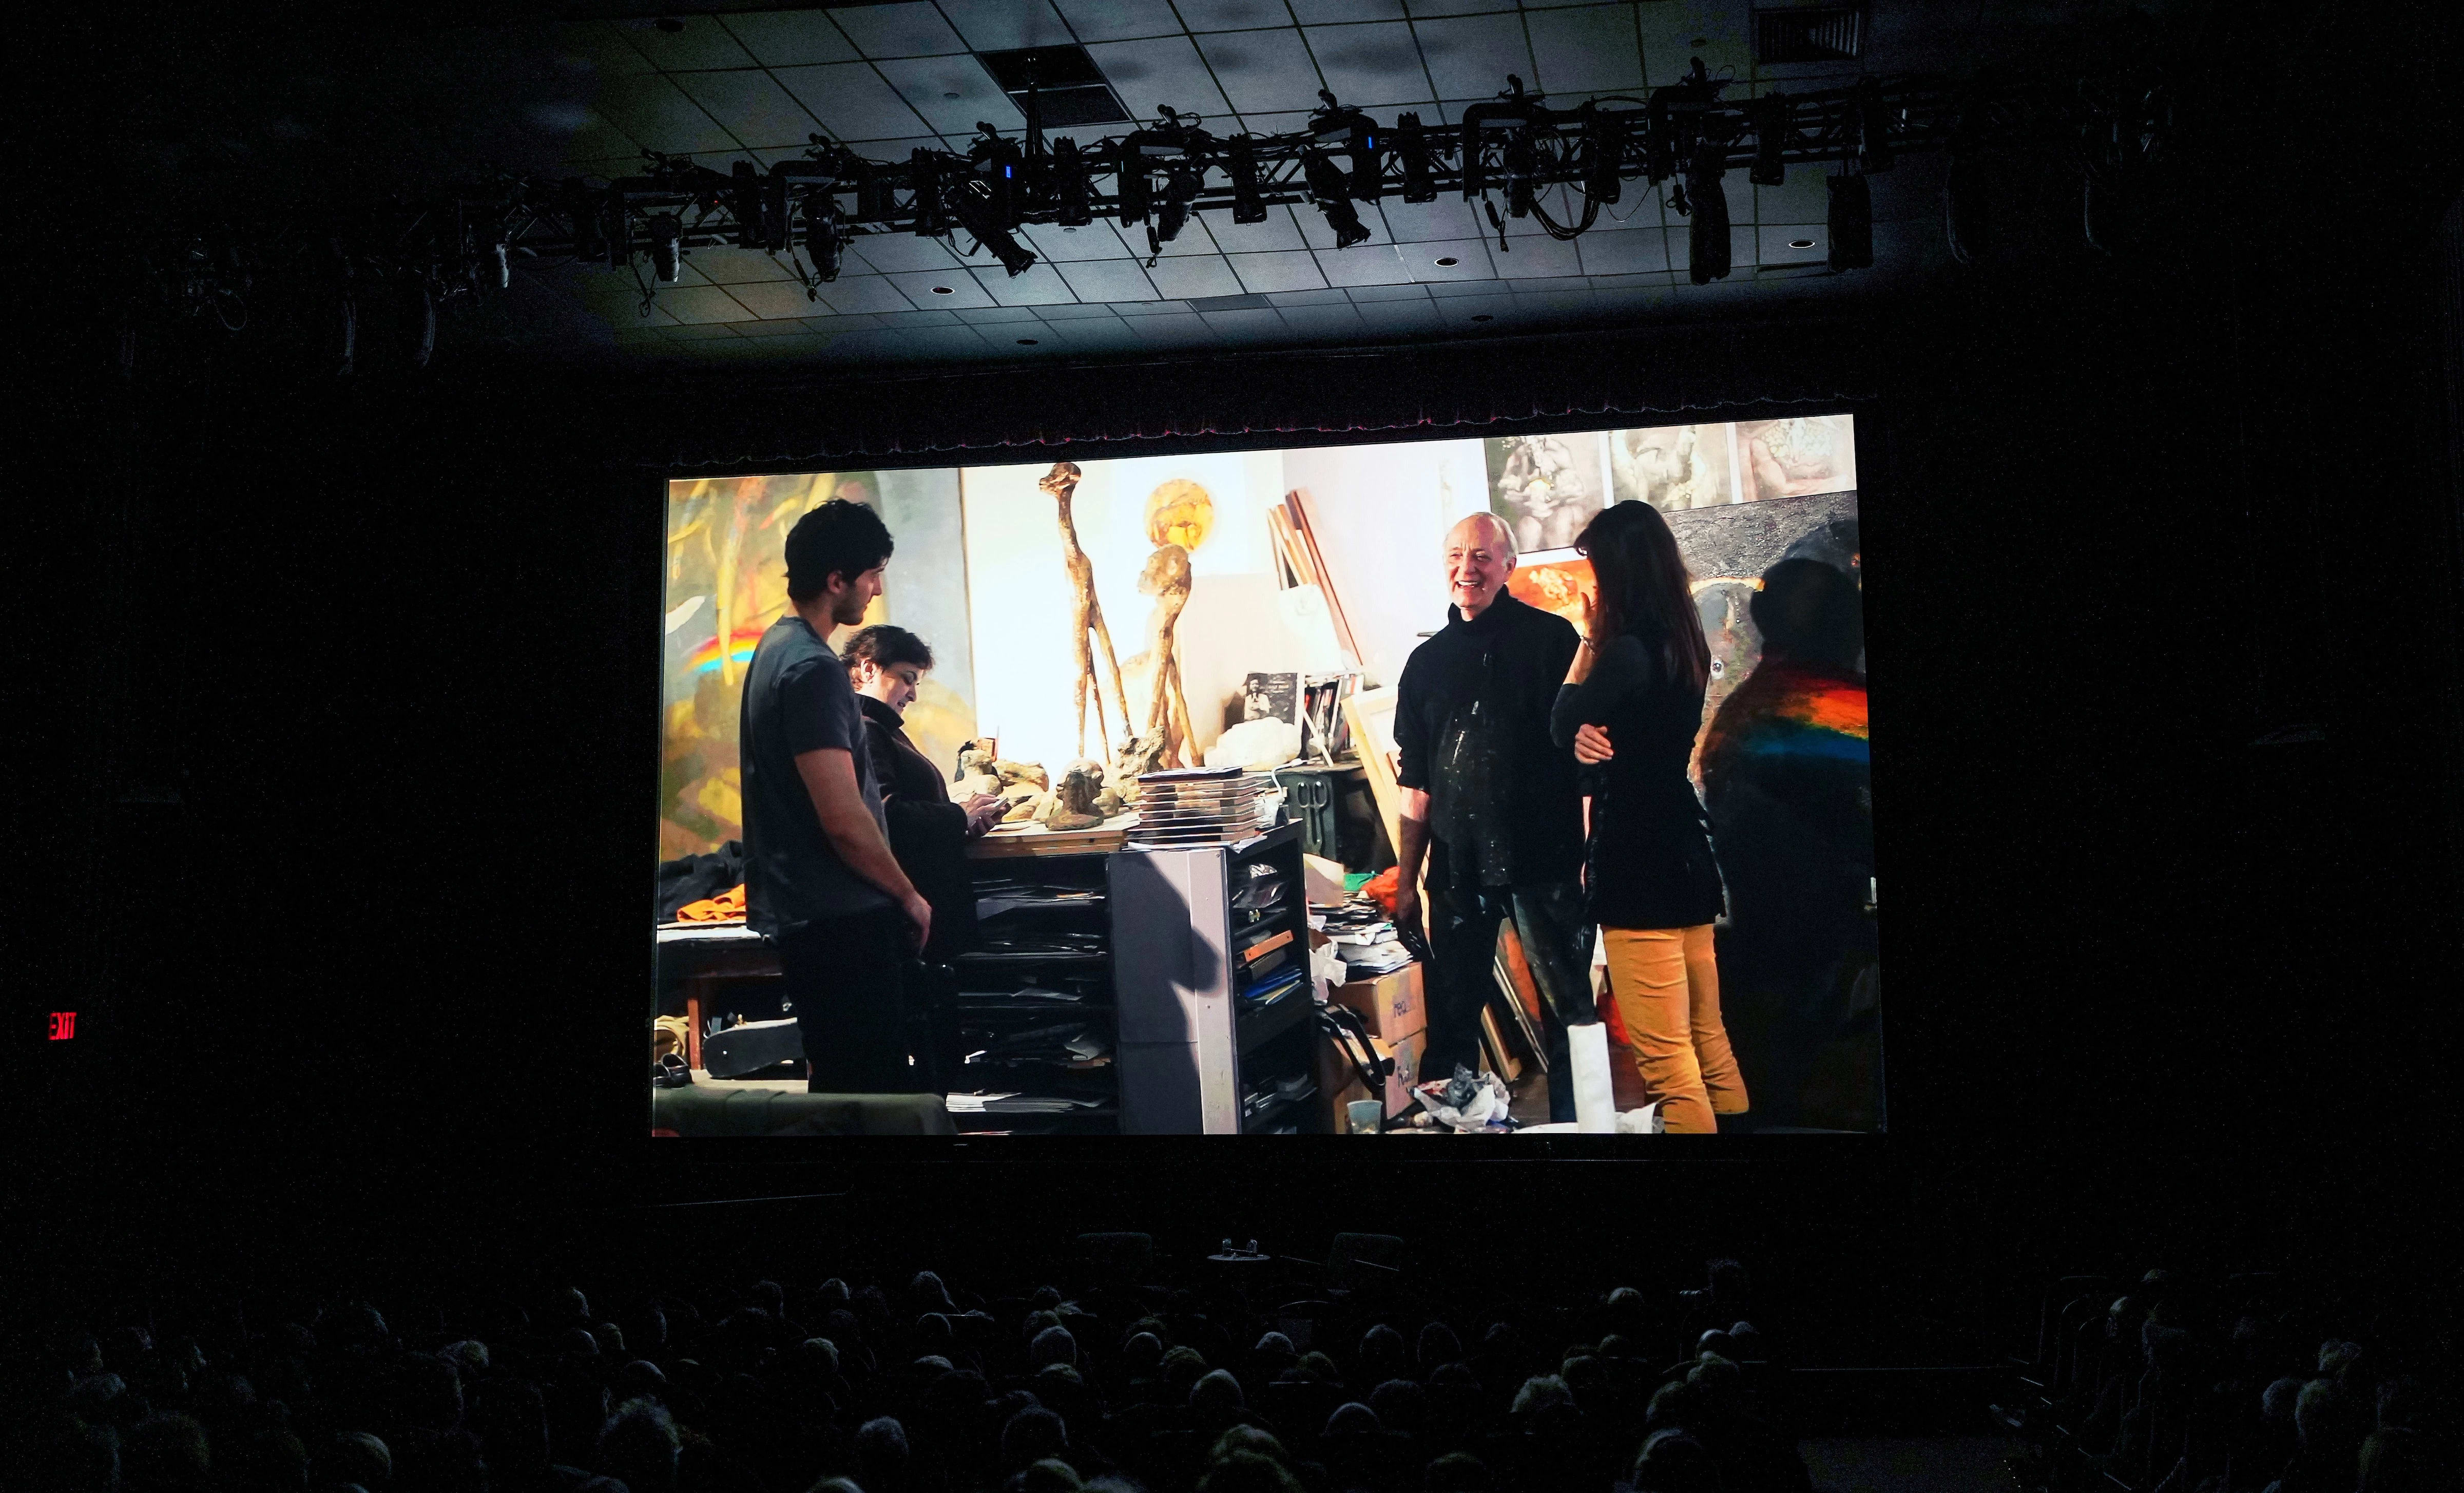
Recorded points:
(1466, 1103)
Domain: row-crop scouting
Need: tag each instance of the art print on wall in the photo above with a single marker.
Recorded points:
(1673, 467)
(1545, 487)
(1797, 457)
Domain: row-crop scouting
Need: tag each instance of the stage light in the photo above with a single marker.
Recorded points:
(1770, 139)
(1966, 225)
(1873, 127)
(1368, 160)
(583, 211)
(1659, 139)
(667, 248)
(1852, 222)
(1072, 198)
(1327, 190)
(973, 202)
(1240, 164)
(620, 229)
(1604, 155)
(1131, 184)
(825, 236)
(775, 227)
(932, 213)
(1003, 169)
(745, 204)
(1707, 230)
(1412, 148)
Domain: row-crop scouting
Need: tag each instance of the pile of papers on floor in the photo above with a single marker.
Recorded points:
(1363, 937)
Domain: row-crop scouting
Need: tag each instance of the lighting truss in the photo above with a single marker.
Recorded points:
(1558, 166)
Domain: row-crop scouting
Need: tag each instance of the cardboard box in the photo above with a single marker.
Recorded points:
(1338, 1083)
(1406, 1053)
(1391, 1003)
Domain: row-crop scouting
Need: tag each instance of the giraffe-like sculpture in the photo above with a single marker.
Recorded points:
(1166, 579)
(1061, 482)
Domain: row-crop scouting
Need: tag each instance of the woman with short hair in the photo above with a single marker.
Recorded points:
(928, 833)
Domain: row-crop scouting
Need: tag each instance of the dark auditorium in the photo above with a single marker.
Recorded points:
(791, 719)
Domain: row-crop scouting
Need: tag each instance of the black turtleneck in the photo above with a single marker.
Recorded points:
(1472, 727)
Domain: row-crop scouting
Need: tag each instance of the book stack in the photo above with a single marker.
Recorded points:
(1197, 805)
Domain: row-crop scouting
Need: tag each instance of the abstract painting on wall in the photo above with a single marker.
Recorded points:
(727, 582)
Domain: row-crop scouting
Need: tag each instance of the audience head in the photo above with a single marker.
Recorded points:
(1031, 1436)
(1383, 1355)
(1674, 1462)
(360, 1457)
(1351, 1421)
(168, 1451)
(881, 1455)
(1438, 1345)
(1050, 1475)
(640, 1446)
(1215, 1392)
(1142, 1355)
(510, 1419)
(1052, 1346)
(1399, 1406)
(1248, 1439)
(2397, 1460)
(1540, 1391)
(1182, 1366)
(1458, 1472)
(1247, 1472)
(2276, 1402)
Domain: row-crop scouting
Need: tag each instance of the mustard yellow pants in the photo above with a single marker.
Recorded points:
(1664, 985)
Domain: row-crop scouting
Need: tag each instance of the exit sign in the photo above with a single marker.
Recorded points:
(63, 1025)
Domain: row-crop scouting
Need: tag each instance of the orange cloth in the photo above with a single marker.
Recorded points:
(1380, 887)
(1664, 994)
(727, 907)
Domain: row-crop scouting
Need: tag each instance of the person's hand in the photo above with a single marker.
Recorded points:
(1407, 906)
(1592, 746)
(1591, 613)
(920, 914)
(984, 810)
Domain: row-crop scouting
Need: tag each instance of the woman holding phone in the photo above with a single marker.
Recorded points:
(1630, 707)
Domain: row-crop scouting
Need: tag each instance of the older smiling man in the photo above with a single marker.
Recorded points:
(1491, 806)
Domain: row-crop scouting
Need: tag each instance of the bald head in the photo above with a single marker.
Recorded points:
(1480, 554)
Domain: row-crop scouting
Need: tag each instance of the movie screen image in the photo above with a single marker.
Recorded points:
(1505, 785)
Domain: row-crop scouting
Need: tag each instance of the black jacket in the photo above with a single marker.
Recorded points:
(928, 833)
(1649, 860)
(1472, 727)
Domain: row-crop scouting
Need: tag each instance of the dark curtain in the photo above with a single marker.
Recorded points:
(1649, 375)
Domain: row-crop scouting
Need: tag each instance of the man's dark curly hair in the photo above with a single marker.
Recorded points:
(838, 538)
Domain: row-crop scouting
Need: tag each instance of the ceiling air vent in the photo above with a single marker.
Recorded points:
(1070, 90)
(1818, 33)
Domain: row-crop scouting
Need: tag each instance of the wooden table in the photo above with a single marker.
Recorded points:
(704, 956)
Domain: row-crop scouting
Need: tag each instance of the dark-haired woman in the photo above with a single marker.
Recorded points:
(1638, 682)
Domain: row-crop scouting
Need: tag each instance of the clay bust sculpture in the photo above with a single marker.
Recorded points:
(1061, 482)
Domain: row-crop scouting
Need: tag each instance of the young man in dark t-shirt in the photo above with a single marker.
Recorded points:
(1492, 806)
(818, 876)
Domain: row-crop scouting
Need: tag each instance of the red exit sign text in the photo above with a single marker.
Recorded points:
(63, 1025)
